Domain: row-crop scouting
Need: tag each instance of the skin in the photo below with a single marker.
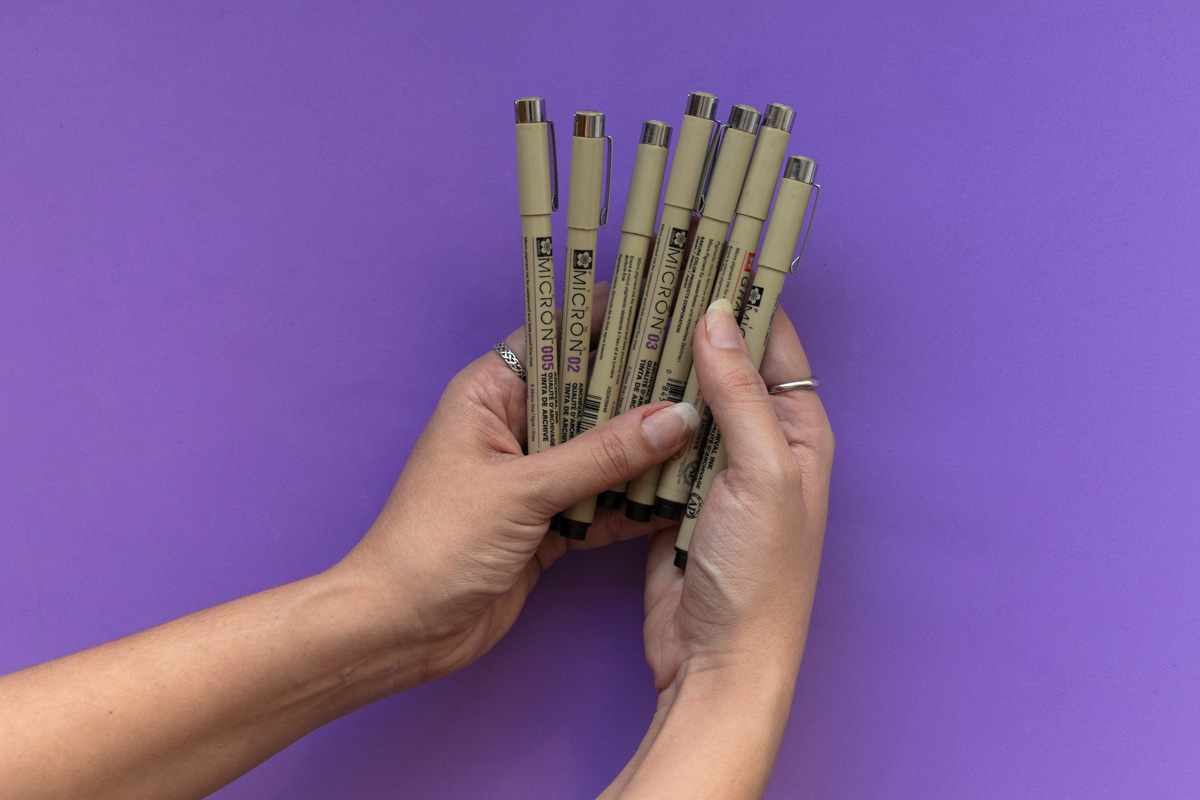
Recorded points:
(182, 709)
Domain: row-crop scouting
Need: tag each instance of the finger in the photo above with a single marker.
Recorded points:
(784, 359)
(801, 413)
(500, 388)
(606, 455)
(733, 388)
(516, 339)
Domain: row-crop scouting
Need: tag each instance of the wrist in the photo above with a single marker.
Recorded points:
(715, 733)
(371, 632)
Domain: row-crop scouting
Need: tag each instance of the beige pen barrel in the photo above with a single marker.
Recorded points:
(538, 196)
(658, 296)
(604, 385)
(774, 264)
(733, 276)
(586, 212)
(718, 203)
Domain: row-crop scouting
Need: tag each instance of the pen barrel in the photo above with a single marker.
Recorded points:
(728, 175)
(774, 262)
(604, 386)
(783, 232)
(645, 188)
(695, 133)
(695, 286)
(585, 197)
(637, 225)
(542, 388)
(576, 326)
(654, 311)
(533, 168)
(763, 173)
(675, 363)
(733, 276)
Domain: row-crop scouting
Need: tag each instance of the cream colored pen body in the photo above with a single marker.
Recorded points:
(637, 225)
(718, 206)
(537, 180)
(733, 276)
(658, 296)
(585, 215)
(774, 264)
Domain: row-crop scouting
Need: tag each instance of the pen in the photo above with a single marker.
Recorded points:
(775, 262)
(733, 275)
(637, 225)
(693, 152)
(537, 184)
(716, 206)
(585, 215)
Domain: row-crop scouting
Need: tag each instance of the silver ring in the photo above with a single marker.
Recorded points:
(807, 383)
(510, 358)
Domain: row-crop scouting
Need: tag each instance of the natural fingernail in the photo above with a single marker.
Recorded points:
(670, 427)
(722, 327)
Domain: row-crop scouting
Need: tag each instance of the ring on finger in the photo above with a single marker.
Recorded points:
(806, 383)
(510, 358)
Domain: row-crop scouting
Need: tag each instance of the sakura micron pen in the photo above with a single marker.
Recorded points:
(641, 207)
(694, 150)
(775, 262)
(716, 206)
(537, 185)
(585, 215)
(733, 275)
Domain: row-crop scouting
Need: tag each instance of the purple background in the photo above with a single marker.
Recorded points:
(241, 251)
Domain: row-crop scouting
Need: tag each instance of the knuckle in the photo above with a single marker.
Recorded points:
(744, 383)
(609, 453)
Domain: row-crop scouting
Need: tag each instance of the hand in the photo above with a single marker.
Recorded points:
(463, 537)
(724, 638)
(745, 598)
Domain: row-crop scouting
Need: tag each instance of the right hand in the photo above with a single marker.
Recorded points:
(741, 609)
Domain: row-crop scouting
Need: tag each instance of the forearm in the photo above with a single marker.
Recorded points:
(713, 735)
(182, 709)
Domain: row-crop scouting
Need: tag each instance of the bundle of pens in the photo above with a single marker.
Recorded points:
(725, 173)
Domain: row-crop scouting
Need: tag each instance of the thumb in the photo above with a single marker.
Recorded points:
(734, 390)
(609, 454)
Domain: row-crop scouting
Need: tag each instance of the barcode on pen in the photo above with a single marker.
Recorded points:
(591, 412)
(674, 390)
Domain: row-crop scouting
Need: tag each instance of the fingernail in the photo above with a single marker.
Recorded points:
(722, 327)
(672, 426)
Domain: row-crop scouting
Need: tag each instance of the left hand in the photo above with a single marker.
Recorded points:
(463, 537)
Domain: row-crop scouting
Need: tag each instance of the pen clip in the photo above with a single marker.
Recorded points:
(553, 168)
(710, 158)
(796, 260)
(607, 181)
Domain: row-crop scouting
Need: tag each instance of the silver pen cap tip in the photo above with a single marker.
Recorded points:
(780, 117)
(701, 104)
(799, 168)
(745, 119)
(589, 124)
(656, 133)
(531, 109)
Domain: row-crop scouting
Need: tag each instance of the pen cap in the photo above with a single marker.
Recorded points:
(701, 104)
(530, 110)
(769, 150)
(690, 149)
(534, 182)
(587, 171)
(787, 218)
(645, 187)
(729, 172)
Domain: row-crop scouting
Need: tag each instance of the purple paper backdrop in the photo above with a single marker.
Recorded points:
(241, 251)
